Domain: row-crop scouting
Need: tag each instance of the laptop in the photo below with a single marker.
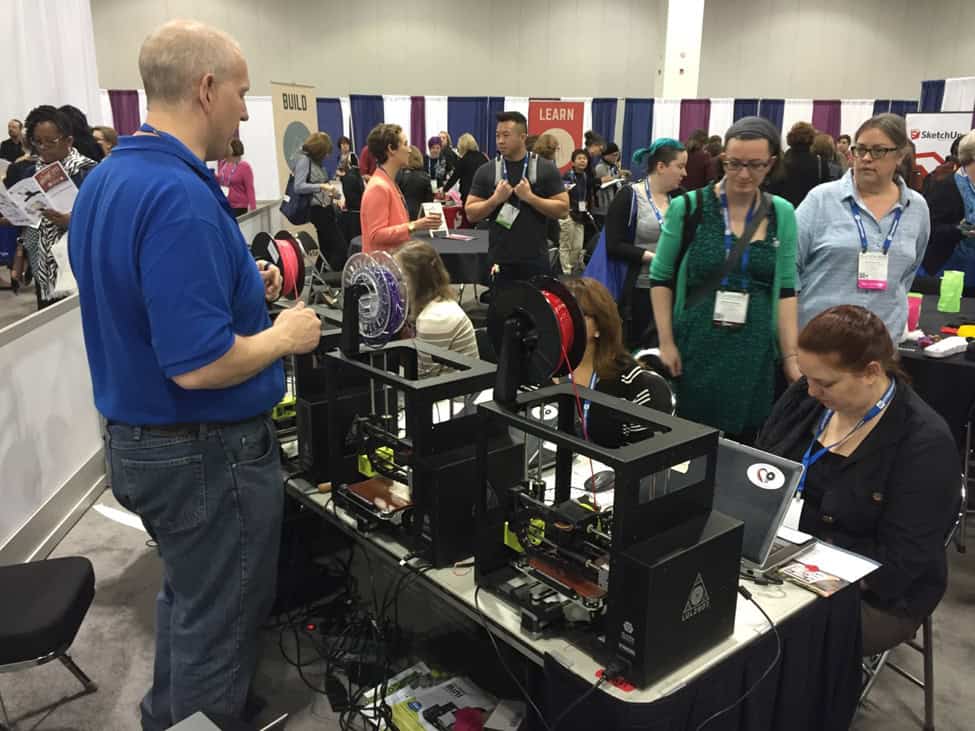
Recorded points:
(756, 487)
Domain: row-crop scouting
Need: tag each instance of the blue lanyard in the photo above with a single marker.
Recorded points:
(524, 169)
(593, 380)
(656, 211)
(729, 238)
(809, 459)
(858, 219)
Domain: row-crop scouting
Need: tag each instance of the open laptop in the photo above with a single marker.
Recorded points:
(756, 487)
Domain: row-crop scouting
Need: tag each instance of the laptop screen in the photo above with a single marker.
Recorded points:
(755, 487)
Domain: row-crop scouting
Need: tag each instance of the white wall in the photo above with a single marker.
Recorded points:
(833, 49)
(465, 47)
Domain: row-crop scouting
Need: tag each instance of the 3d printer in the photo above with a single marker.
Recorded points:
(406, 461)
(654, 578)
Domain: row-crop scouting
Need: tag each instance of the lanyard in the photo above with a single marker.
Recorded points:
(809, 459)
(504, 167)
(729, 238)
(656, 211)
(858, 219)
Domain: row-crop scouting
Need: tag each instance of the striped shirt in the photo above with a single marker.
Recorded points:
(444, 324)
(829, 244)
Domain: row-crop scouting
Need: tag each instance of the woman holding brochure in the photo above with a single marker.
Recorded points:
(881, 468)
(49, 136)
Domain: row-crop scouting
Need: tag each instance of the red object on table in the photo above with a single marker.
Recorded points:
(451, 213)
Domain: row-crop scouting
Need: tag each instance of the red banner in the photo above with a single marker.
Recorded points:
(561, 119)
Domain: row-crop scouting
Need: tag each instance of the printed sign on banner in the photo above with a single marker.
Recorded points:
(561, 119)
(933, 133)
(295, 117)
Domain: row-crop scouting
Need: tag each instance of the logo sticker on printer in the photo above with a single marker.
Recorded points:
(765, 476)
(697, 601)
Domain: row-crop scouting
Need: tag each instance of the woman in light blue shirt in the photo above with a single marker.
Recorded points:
(862, 237)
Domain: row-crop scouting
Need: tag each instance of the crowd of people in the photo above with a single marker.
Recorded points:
(773, 283)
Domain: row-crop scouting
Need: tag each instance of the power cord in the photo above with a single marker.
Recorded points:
(775, 661)
(610, 673)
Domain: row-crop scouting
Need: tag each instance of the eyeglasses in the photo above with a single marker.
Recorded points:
(876, 152)
(47, 143)
(754, 166)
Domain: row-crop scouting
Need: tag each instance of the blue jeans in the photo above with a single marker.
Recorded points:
(213, 500)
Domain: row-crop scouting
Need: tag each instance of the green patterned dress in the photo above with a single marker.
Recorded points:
(729, 373)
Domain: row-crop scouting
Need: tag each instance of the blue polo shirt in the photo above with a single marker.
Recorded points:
(166, 282)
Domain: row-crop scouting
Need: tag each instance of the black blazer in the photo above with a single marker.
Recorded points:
(415, 185)
(803, 171)
(463, 170)
(894, 499)
(947, 210)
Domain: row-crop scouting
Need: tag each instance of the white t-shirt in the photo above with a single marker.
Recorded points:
(444, 323)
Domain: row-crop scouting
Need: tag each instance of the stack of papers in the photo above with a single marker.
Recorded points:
(49, 188)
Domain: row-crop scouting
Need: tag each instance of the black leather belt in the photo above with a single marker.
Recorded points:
(188, 428)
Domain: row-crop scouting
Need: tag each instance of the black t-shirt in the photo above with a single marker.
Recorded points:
(526, 239)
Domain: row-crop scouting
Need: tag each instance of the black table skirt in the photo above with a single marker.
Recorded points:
(948, 384)
(466, 261)
(815, 686)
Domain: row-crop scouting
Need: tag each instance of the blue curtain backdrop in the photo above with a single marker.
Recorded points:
(330, 122)
(637, 128)
(881, 106)
(903, 107)
(367, 112)
(772, 110)
(746, 108)
(932, 94)
(604, 117)
(474, 114)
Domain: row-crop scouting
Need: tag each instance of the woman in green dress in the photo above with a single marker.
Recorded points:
(725, 313)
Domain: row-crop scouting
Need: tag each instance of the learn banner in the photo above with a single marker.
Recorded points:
(295, 117)
(933, 134)
(561, 119)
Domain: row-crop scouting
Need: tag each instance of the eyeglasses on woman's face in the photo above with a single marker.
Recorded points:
(877, 152)
(755, 167)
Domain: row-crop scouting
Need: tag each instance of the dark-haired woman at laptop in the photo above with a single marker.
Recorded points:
(882, 471)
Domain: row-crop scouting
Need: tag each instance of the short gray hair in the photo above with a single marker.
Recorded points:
(179, 53)
(966, 149)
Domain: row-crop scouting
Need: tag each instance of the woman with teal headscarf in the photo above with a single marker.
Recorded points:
(633, 224)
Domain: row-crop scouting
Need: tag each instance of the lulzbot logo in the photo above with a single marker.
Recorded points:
(697, 601)
(915, 134)
(765, 476)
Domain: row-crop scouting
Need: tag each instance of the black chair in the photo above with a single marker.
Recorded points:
(44, 604)
(485, 347)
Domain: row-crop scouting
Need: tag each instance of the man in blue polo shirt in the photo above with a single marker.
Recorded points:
(185, 366)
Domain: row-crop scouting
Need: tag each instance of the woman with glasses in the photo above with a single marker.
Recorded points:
(862, 237)
(49, 135)
(724, 304)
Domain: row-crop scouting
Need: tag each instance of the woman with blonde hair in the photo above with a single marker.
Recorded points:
(438, 319)
(311, 178)
(546, 146)
(471, 158)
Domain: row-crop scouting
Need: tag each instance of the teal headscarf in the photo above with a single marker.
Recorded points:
(644, 152)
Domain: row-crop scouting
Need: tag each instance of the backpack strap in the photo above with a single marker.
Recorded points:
(631, 226)
(497, 170)
(692, 219)
(532, 167)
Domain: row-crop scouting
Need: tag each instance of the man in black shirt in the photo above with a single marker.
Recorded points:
(517, 193)
(13, 148)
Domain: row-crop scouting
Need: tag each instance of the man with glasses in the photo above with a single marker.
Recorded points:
(862, 237)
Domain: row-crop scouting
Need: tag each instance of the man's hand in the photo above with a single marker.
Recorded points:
(300, 328)
(524, 191)
(271, 276)
(56, 217)
(502, 192)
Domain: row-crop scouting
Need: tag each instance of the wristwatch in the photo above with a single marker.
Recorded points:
(411, 226)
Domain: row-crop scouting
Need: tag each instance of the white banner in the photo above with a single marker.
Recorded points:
(295, 117)
(933, 133)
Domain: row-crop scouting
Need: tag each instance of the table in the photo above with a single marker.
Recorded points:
(947, 384)
(466, 261)
(816, 685)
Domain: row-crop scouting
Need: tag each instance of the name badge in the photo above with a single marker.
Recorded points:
(793, 514)
(582, 206)
(225, 189)
(872, 271)
(506, 218)
(730, 308)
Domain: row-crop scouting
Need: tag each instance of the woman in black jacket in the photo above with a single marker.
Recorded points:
(882, 472)
(802, 170)
(633, 225)
(471, 158)
(415, 184)
(949, 214)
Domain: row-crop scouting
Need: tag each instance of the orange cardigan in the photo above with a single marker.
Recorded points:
(383, 215)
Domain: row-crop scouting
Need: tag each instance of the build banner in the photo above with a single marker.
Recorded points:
(933, 133)
(561, 119)
(295, 117)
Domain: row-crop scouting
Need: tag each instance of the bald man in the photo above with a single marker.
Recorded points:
(186, 367)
